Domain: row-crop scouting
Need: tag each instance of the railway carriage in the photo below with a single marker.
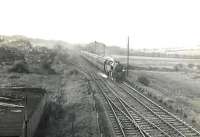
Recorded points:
(108, 65)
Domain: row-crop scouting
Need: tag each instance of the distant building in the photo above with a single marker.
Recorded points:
(191, 52)
(96, 47)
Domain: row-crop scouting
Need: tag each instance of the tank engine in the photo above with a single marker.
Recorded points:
(111, 67)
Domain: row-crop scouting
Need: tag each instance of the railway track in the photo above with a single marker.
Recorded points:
(133, 114)
(123, 125)
(143, 111)
(156, 114)
(150, 115)
(128, 120)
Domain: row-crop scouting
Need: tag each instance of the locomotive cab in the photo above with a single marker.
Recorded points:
(114, 69)
(111, 67)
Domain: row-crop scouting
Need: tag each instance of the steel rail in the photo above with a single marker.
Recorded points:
(116, 117)
(124, 115)
(111, 102)
(190, 129)
(147, 132)
(153, 113)
(131, 117)
(167, 112)
(110, 106)
(137, 112)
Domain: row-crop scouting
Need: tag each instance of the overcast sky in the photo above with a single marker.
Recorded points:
(149, 23)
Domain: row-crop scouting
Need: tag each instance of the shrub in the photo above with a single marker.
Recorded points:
(178, 67)
(160, 100)
(190, 65)
(46, 65)
(170, 106)
(20, 67)
(177, 110)
(155, 97)
(198, 67)
(74, 72)
(144, 80)
(185, 115)
(149, 94)
(193, 121)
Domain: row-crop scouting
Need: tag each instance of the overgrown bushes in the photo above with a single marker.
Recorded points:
(144, 80)
(47, 67)
(19, 67)
(178, 67)
(191, 65)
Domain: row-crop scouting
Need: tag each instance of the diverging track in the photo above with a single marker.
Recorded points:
(156, 114)
(133, 114)
(123, 125)
(126, 121)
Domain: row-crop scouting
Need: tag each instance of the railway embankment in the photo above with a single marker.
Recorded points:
(139, 110)
(178, 92)
(72, 111)
(23, 80)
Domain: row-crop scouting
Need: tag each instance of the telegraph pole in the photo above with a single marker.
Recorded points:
(127, 67)
(104, 50)
(25, 117)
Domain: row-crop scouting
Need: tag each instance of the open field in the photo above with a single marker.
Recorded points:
(156, 62)
(173, 82)
(175, 85)
(178, 107)
(179, 91)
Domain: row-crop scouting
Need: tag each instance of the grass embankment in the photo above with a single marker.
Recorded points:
(176, 91)
(71, 110)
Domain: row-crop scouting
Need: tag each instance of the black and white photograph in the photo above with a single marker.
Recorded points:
(99, 68)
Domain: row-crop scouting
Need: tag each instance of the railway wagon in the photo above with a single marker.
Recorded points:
(12, 110)
(94, 59)
(108, 65)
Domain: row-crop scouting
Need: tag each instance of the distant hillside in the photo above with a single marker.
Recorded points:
(15, 48)
(102, 49)
(49, 43)
(18, 40)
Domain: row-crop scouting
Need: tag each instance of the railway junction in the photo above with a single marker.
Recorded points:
(121, 109)
(132, 113)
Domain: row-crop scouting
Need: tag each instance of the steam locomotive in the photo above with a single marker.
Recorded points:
(112, 68)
